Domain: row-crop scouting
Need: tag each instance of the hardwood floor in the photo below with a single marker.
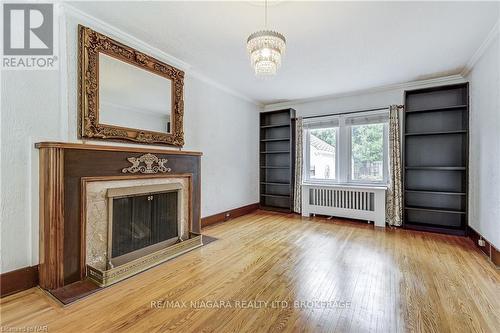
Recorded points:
(373, 281)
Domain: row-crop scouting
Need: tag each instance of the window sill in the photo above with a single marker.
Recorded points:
(349, 185)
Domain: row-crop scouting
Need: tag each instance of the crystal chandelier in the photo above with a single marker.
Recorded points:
(266, 48)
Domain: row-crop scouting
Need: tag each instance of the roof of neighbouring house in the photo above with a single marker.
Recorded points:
(321, 145)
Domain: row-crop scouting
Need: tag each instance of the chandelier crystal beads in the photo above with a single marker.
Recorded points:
(266, 49)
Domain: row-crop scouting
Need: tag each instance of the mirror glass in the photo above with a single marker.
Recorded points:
(132, 97)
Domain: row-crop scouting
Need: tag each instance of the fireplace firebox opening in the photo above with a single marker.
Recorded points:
(142, 220)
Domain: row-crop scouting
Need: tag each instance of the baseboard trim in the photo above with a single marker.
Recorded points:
(229, 214)
(488, 249)
(18, 280)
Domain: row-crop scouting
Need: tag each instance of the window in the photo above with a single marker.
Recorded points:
(367, 153)
(322, 144)
(346, 149)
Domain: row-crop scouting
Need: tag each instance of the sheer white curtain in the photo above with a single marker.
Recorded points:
(297, 190)
(394, 204)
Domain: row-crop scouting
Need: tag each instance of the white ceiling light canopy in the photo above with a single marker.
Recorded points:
(266, 48)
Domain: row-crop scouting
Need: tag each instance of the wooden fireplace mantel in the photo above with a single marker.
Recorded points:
(64, 167)
(67, 145)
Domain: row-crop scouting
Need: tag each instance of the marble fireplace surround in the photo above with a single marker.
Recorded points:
(98, 213)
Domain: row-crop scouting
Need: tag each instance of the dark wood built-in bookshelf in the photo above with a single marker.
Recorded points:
(277, 157)
(435, 155)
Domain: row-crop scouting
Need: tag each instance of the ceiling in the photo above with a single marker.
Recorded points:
(332, 47)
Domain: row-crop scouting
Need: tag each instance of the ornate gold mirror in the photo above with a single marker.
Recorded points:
(126, 95)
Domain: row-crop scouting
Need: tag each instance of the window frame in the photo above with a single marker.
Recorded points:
(343, 152)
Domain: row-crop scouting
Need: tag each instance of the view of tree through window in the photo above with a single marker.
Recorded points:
(367, 152)
(322, 153)
(328, 135)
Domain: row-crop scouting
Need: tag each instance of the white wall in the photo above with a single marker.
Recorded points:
(226, 130)
(29, 113)
(484, 178)
(368, 99)
(42, 105)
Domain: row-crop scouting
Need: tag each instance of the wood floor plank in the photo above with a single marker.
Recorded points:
(390, 280)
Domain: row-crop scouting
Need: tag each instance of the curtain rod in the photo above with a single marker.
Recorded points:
(348, 112)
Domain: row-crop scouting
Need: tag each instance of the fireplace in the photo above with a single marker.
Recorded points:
(142, 220)
(109, 212)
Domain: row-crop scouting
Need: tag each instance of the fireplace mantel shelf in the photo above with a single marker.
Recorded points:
(67, 145)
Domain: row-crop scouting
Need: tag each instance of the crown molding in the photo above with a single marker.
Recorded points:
(482, 49)
(117, 33)
(411, 84)
(114, 32)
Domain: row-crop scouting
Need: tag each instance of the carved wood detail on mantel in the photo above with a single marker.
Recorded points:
(149, 168)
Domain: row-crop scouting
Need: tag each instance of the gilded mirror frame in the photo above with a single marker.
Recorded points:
(90, 44)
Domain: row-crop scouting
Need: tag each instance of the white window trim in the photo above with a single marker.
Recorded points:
(343, 171)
